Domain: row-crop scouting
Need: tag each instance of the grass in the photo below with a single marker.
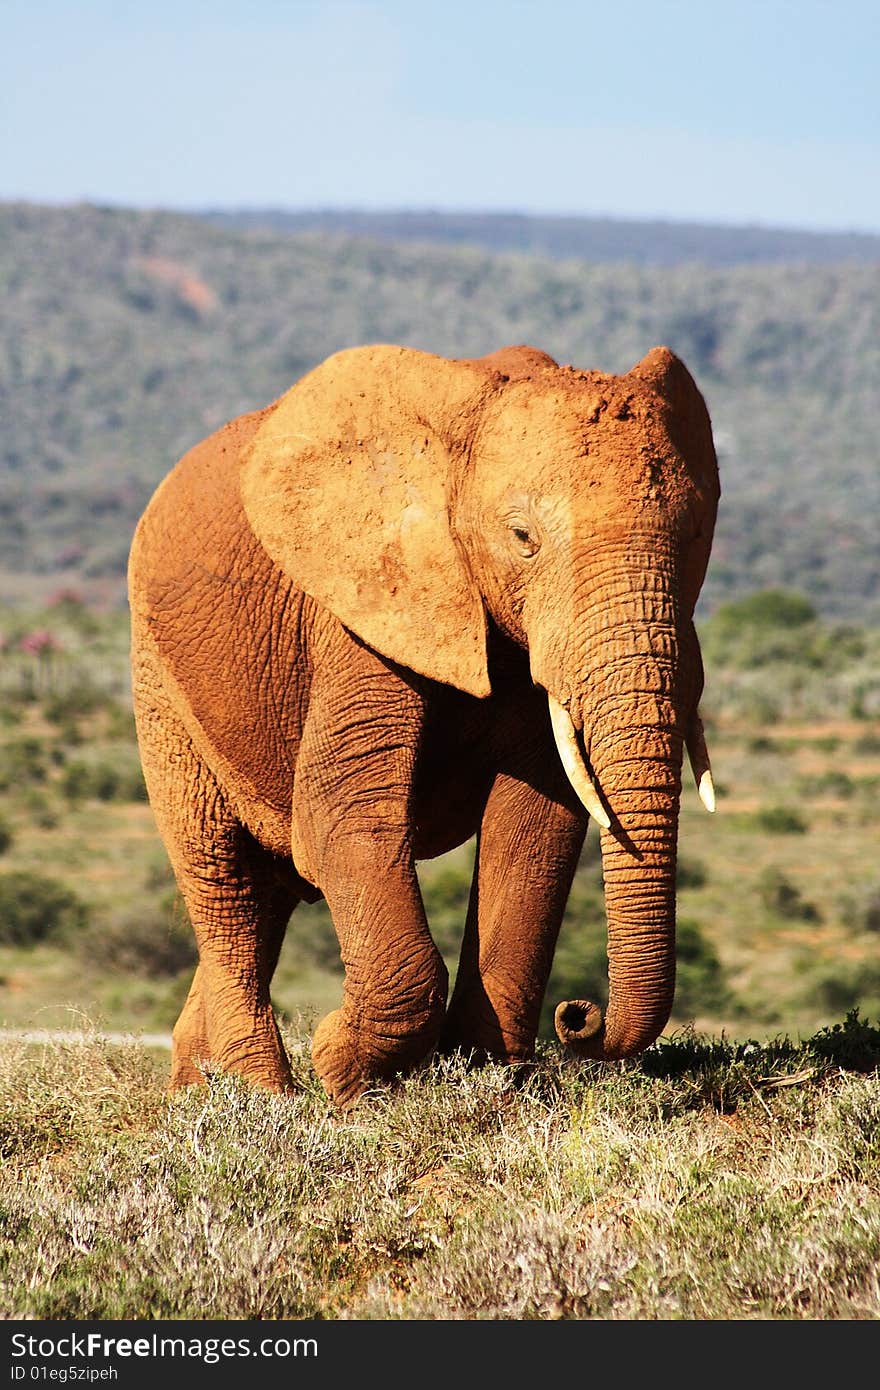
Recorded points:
(709, 1180)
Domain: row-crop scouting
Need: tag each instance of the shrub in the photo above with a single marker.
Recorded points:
(776, 820)
(33, 908)
(103, 781)
(861, 910)
(77, 781)
(580, 965)
(72, 608)
(120, 723)
(783, 898)
(580, 969)
(66, 707)
(314, 937)
(775, 626)
(843, 985)
(5, 836)
(769, 608)
(151, 943)
(39, 808)
(832, 783)
(826, 743)
(22, 761)
(700, 987)
(690, 873)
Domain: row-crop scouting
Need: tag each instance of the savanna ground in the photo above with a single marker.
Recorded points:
(732, 1172)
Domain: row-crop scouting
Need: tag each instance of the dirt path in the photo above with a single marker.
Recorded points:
(74, 1035)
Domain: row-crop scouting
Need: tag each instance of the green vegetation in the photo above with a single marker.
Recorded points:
(705, 1181)
(769, 656)
(127, 336)
(776, 820)
(783, 898)
(33, 907)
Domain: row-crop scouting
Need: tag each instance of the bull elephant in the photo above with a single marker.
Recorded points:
(413, 600)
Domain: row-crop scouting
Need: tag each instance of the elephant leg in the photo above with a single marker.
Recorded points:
(239, 900)
(239, 913)
(189, 1040)
(353, 823)
(190, 1049)
(528, 849)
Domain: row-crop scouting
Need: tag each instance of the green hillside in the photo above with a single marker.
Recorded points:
(127, 336)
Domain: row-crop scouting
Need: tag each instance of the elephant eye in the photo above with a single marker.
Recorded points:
(526, 543)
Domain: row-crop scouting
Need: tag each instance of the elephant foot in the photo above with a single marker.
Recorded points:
(337, 1060)
(258, 1056)
(348, 1063)
(187, 1068)
(190, 1053)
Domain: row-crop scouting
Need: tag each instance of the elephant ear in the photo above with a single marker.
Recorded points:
(686, 416)
(349, 485)
(686, 421)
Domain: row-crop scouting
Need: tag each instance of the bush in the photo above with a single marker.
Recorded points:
(690, 873)
(68, 706)
(775, 626)
(5, 836)
(862, 908)
(33, 908)
(22, 761)
(103, 781)
(39, 808)
(314, 937)
(580, 966)
(776, 820)
(843, 985)
(783, 898)
(832, 783)
(769, 608)
(580, 969)
(151, 943)
(700, 987)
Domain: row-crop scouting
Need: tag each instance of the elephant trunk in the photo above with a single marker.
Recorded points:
(638, 861)
(635, 721)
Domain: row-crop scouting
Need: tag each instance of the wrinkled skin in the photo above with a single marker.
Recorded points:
(348, 612)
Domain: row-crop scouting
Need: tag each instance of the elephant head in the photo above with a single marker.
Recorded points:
(420, 499)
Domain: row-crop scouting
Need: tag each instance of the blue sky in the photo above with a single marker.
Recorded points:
(739, 112)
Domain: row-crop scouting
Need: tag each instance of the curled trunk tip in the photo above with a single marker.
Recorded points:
(577, 1023)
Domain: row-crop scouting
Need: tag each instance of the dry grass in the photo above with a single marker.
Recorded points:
(706, 1182)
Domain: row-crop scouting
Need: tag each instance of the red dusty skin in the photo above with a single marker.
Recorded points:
(638, 857)
(639, 695)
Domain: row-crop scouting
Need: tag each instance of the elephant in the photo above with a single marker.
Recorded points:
(416, 600)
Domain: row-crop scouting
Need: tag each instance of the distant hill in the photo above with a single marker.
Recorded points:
(127, 336)
(601, 240)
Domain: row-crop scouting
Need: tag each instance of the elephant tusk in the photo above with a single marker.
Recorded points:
(570, 754)
(699, 756)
